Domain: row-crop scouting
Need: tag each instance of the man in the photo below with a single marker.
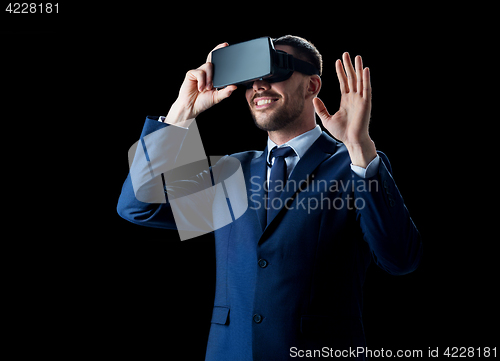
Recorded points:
(290, 269)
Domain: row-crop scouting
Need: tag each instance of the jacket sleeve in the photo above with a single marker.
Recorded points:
(394, 241)
(142, 200)
(171, 184)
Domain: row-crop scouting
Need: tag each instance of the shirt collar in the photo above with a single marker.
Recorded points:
(300, 144)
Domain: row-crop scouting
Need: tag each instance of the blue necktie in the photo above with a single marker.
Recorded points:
(277, 179)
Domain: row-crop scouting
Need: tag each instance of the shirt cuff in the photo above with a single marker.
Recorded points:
(185, 124)
(370, 170)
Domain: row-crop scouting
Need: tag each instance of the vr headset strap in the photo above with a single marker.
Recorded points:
(288, 62)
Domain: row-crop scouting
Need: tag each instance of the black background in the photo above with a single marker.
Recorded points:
(78, 87)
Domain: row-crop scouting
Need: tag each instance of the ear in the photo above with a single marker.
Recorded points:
(314, 86)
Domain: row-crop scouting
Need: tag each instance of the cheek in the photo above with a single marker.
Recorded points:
(281, 89)
(248, 95)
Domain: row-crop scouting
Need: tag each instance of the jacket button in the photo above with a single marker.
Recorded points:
(262, 263)
(257, 318)
(392, 203)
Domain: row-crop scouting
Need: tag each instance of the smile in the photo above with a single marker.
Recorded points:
(264, 102)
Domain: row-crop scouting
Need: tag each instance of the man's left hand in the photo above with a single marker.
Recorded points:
(350, 123)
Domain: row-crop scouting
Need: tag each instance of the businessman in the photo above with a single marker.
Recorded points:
(291, 268)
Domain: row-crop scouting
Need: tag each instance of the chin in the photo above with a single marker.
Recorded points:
(276, 119)
(264, 122)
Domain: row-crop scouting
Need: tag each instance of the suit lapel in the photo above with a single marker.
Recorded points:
(256, 192)
(319, 151)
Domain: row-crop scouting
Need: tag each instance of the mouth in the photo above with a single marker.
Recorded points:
(261, 103)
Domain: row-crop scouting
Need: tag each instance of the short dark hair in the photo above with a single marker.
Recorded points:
(305, 49)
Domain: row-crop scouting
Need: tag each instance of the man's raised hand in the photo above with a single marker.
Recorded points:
(350, 123)
(197, 93)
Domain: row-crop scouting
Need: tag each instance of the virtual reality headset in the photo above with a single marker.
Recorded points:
(253, 60)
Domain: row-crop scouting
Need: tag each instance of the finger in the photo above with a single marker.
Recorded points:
(367, 86)
(342, 77)
(208, 68)
(351, 75)
(321, 110)
(220, 95)
(222, 45)
(359, 73)
(199, 76)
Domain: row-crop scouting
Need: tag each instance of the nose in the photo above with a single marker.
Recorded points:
(261, 85)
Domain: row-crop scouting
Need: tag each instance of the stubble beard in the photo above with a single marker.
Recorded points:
(280, 118)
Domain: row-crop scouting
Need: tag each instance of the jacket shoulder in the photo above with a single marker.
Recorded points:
(247, 156)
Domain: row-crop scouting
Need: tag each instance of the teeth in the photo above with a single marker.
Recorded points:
(266, 101)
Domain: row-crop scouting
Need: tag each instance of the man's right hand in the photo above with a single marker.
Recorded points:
(197, 94)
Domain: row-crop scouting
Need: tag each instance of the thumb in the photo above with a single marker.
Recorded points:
(320, 109)
(222, 94)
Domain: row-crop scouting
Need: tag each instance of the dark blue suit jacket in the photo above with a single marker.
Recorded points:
(296, 284)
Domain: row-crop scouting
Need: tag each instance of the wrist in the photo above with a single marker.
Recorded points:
(362, 153)
(177, 115)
